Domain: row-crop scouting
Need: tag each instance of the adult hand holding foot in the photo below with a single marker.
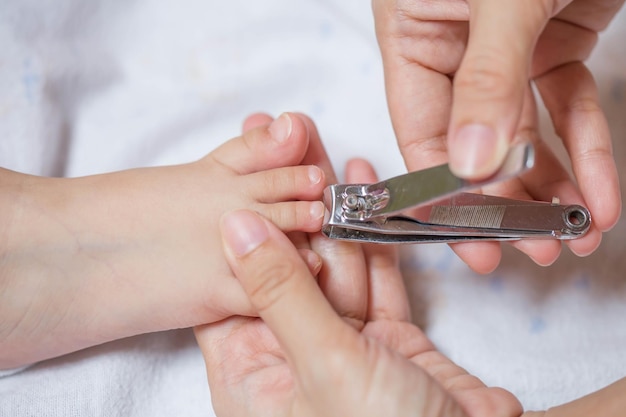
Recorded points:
(302, 358)
(462, 70)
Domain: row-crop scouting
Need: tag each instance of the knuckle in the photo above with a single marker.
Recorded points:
(597, 155)
(484, 76)
(425, 152)
(271, 283)
(584, 105)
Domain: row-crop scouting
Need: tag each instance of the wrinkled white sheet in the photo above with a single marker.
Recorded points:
(89, 87)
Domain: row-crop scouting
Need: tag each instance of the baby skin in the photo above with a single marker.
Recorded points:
(92, 259)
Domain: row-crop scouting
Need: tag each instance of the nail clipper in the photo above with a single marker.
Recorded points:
(432, 206)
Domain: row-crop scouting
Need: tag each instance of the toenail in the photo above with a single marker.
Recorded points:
(280, 128)
(317, 210)
(315, 174)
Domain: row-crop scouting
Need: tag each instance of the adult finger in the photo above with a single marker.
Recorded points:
(489, 87)
(387, 293)
(421, 44)
(281, 288)
(538, 184)
(343, 277)
(571, 97)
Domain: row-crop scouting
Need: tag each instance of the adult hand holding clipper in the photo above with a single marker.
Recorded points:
(458, 76)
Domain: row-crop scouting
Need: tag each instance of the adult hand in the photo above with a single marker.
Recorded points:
(461, 70)
(304, 359)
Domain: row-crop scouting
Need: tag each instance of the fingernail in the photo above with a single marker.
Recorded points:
(280, 128)
(475, 151)
(243, 231)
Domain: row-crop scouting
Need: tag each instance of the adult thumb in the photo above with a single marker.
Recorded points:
(281, 287)
(489, 87)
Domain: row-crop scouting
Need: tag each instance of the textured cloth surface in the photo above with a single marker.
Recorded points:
(91, 87)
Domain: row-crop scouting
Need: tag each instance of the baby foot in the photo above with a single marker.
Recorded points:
(92, 259)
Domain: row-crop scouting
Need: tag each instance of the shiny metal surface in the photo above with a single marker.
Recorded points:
(378, 212)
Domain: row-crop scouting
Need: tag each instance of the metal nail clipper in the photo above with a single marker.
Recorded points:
(432, 206)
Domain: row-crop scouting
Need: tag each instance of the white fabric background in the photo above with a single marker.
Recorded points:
(89, 87)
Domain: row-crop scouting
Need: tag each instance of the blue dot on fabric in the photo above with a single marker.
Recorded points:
(30, 80)
(416, 264)
(496, 283)
(445, 262)
(326, 29)
(317, 108)
(583, 282)
(537, 325)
